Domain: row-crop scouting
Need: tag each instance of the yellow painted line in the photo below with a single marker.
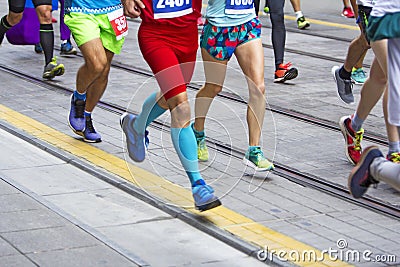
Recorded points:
(222, 217)
(314, 21)
(326, 23)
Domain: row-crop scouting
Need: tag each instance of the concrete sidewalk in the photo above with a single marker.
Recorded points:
(54, 214)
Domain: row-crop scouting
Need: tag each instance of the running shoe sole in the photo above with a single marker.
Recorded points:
(358, 173)
(72, 52)
(56, 71)
(254, 166)
(355, 82)
(213, 204)
(304, 27)
(98, 140)
(289, 75)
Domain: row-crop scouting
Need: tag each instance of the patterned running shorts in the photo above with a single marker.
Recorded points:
(221, 42)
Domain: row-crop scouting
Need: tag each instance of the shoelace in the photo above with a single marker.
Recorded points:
(394, 157)
(359, 72)
(89, 125)
(202, 143)
(348, 86)
(203, 187)
(258, 154)
(358, 139)
(79, 108)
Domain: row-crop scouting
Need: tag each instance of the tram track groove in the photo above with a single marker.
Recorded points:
(301, 178)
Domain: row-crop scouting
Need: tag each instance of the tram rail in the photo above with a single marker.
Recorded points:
(296, 176)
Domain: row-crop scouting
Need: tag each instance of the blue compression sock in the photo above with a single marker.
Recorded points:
(79, 96)
(150, 111)
(185, 145)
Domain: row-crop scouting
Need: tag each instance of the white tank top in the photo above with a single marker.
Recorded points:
(383, 7)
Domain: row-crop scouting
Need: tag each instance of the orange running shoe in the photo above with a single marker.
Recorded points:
(285, 72)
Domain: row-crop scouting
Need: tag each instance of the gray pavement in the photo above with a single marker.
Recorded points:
(309, 216)
(54, 214)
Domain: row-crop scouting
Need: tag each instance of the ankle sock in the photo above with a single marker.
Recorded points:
(394, 147)
(79, 96)
(356, 123)
(344, 74)
(299, 14)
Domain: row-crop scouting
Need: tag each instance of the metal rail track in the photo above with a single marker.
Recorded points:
(282, 170)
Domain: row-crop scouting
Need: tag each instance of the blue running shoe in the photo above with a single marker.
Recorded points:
(203, 196)
(135, 142)
(358, 76)
(38, 48)
(359, 178)
(89, 134)
(146, 139)
(67, 48)
(76, 119)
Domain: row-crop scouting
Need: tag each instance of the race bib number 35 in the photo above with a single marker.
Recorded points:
(239, 7)
(171, 8)
(118, 23)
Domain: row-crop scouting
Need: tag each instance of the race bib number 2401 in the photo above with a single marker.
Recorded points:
(171, 8)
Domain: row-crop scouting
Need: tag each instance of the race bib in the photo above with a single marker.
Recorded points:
(239, 7)
(118, 23)
(171, 8)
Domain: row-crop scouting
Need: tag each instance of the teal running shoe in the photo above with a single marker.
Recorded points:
(203, 196)
(255, 159)
(358, 76)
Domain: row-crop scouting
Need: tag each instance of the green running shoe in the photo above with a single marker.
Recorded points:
(202, 150)
(302, 23)
(53, 69)
(255, 159)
